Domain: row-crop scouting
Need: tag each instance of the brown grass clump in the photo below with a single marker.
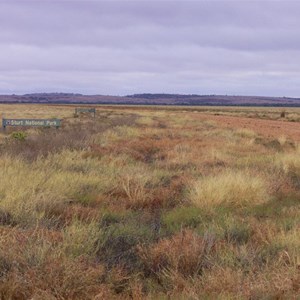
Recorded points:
(185, 253)
(36, 266)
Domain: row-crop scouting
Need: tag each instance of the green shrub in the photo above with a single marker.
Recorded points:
(238, 233)
(19, 135)
(182, 217)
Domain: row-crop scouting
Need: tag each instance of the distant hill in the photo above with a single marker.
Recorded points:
(151, 99)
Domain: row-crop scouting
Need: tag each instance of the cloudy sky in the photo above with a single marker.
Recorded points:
(126, 47)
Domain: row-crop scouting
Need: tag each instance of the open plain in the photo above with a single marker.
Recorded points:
(145, 202)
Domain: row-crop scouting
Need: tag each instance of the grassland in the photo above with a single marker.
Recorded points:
(150, 203)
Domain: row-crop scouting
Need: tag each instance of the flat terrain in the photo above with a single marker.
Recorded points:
(267, 128)
(146, 202)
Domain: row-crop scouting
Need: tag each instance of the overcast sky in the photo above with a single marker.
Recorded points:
(125, 47)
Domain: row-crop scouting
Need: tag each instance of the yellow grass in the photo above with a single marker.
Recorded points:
(36, 111)
(236, 188)
(290, 161)
(246, 133)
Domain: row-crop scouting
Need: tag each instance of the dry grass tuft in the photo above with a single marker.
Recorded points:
(246, 133)
(233, 188)
(290, 161)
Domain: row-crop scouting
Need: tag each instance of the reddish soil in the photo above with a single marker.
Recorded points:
(268, 128)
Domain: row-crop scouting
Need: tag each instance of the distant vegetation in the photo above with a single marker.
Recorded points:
(147, 203)
(153, 99)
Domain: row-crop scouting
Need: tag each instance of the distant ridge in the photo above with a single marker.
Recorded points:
(152, 99)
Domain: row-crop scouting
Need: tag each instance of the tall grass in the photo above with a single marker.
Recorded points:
(29, 191)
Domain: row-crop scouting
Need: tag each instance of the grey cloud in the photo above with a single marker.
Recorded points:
(121, 47)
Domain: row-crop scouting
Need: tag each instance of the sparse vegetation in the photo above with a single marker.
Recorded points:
(144, 203)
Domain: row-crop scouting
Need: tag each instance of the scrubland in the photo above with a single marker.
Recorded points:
(147, 203)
